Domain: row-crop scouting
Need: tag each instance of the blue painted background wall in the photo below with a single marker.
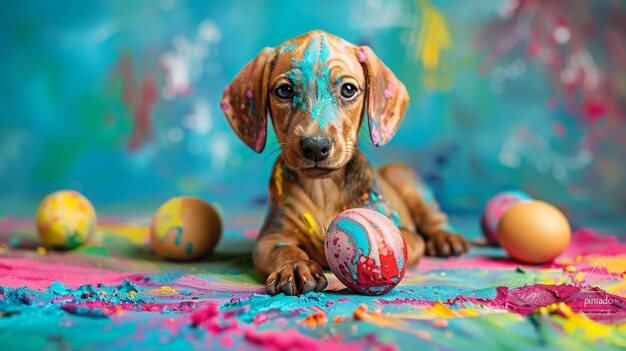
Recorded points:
(120, 99)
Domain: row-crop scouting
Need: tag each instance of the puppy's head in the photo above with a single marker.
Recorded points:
(315, 88)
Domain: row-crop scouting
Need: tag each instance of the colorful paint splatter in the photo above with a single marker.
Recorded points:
(121, 103)
(115, 294)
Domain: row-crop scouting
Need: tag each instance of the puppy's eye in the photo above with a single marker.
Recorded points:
(348, 90)
(284, 91)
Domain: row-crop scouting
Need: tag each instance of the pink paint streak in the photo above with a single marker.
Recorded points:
(286, 340)
(148, 96)
(18, 272)
(596, 303)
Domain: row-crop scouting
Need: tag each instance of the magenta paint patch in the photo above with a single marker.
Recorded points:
(594, 302)
(389, 91)
(366, 251)
(374, 134)
(362, 56)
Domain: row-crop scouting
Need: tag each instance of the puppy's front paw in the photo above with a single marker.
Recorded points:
(444, 244)
(295, 278)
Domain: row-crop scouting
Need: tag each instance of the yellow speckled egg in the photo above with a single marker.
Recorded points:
(534, 232)
(65, 220)
(185, 228)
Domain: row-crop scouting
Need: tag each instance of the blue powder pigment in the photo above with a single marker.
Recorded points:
(280, 303)
(25, 301)
(311, 76)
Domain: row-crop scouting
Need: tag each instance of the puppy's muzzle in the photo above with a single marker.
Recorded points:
(316, 148)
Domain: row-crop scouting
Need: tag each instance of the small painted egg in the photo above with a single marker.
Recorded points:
(366, 251)
(185, 228)
(65, 220)
(534, 232)
(495, 209)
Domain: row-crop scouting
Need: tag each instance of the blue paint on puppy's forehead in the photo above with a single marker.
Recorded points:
(312, 84)
(288, 48)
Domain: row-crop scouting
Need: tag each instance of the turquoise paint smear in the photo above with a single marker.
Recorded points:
(251, 104)
(358, 234)
(288, 48)
(311, 78)
(179, 236)
(379, 204)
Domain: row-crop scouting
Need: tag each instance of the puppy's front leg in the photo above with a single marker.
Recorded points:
(287, 267)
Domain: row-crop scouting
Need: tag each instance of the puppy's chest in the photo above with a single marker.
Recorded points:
(327, 201)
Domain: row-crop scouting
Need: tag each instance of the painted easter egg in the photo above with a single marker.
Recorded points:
(366, 251)
(534, 232)
(65, 220)
(185, 228)
(495, 209)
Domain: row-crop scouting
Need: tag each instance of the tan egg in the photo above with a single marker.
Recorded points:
(534, 232)
(185, 228)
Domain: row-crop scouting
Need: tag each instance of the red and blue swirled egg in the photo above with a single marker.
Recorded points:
(366, 251)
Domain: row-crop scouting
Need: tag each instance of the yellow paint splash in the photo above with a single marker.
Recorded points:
(310, 224)
(278, 180)
(443, 311)
(166, 290)
(613, 264)
(434, 37)
(573, 322)
(168, 217)
(135, 234)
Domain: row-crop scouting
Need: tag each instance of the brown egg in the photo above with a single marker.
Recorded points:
(534, 232)
(185, 228)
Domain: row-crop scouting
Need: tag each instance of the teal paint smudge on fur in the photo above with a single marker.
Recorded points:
(311, 78)
(288, 48)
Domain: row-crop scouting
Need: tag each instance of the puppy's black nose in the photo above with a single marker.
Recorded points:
(316, 148)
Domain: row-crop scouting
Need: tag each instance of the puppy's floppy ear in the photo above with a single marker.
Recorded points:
(244, 100)
(387, 98)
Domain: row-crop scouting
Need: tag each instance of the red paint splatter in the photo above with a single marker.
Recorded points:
(204, 314)
(594, 110)
(148, 96)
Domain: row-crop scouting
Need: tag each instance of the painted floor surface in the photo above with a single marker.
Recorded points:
(114, 294)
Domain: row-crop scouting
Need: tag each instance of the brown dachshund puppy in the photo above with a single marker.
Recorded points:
(316, 89)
